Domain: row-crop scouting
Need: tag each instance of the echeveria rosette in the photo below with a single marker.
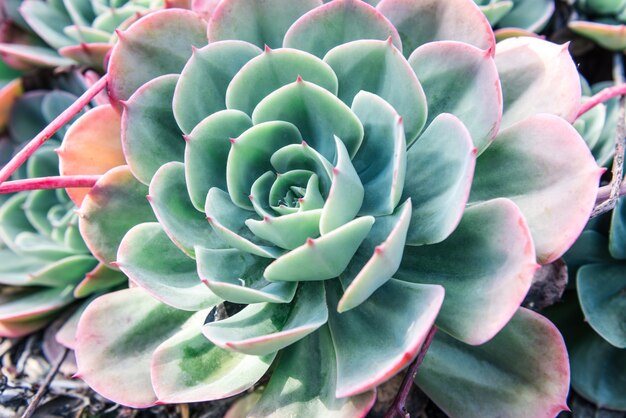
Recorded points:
(594, 322)
(337, 204)
(58, 33)
(602, 21)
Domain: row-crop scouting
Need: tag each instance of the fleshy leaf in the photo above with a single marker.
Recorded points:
(92, 145)
(116, 337)
(337, 23)
(288, 231)
(532, 15)
(148, 257)
(537, 76)
(183, 223)
(237, 276)
(303, 384)
(189, 368)
(262, 23)
(381, 159)
(149, 133)
(365, 361)
(617, 234)
(475, 381)
(383, 263)
(159, 44)
(606, 35)
(544, 166)
(389, 76)
(602, 294)
(468, 88)
(261, 329)
(98, 279)
(317, 113)
(438, 20)
(203, 84)
(272, 70)
(114, 205)
(438, 179)
(346, 193)
(322, 258)
(481, 297)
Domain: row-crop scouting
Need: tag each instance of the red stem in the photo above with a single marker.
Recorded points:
(51, 129)
(601, 97)
(39, 183)
(398, 408)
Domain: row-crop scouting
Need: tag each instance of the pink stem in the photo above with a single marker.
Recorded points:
(51, 129)
(601, 97)
(39, 183)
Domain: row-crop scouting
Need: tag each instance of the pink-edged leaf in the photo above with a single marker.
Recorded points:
(364, 362)
(189, 368)
(114, 205)
(16, 329)
(92, 145)
(420, 22)
(303, 384)
(545, 167)
(337, 23)
(264, 328)
(469, 88)
(260, 23)
(481, 297)
(159, 43)
(99, 279)
(28, 56)
(90, 54)
(116, 337)
(522, 372)
(609, 36)
(537, 76)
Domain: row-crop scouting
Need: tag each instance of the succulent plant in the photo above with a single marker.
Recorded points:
(44, 263)
(531, 15)
(322, 174)
(53, 33)
(593, 322)
(602, 21)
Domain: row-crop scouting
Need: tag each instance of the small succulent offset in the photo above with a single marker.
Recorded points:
(594, 323)
(530, 15)
(52, 33)
(325, 188)
(44, 263)
(602, 21)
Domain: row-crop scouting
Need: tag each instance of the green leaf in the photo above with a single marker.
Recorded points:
(263, 23)
(317, 113)
(532, 15)
(537, 77)
(116, 337)
(322, 258)
(388, 75)
(522, 372)
(303, 384)
(438, 20)
(381, 159)
(150, 136)
(617, 233)
(159, 43)
(439, 173)
(337, 23)
(288, 231)
(481, 296)
(113, 206)
(237, 276)
(272, 70)
(207, 151)
(182, 222)
(365, 360)
(345, 197)
(468, 88)
(608, 36)
(148, 257)
(202, 88)
(602, 294)
(265, 328)
(189, 368)
(382, 264)
(555, 164)
(99, 279)
(34, 55)
(47, 22)
(31, 305)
